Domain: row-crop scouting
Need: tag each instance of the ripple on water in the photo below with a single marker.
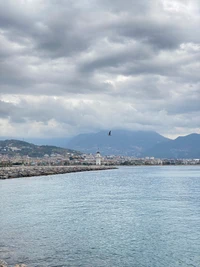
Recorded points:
(128, 217)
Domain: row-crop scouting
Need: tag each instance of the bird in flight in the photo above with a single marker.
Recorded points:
(109, 133)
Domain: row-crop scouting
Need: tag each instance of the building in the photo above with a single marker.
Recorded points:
(98, 158)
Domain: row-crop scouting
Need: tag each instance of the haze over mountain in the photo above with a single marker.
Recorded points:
(182, 147)
(138, 144)
(121, 142)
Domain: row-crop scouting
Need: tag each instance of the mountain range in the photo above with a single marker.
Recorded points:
(120, 142)
(182, 147)
(137, 144)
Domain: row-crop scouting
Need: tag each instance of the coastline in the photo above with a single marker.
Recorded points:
(30, 171)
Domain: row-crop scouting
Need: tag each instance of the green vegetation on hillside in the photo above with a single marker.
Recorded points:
(21, 148)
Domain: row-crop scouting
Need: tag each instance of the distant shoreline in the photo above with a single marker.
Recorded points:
(31, 171)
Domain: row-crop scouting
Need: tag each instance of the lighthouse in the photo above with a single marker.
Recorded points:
(98, 158)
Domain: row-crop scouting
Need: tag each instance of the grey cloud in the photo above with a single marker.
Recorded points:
(132, 6)
(61, 36)
(13, 16)
(14, 74)
(117, 57)
(54, 35)
(131, 53)
(51, 110)
(5, 109)
(11, 112)
(187, 103)
(148, 22)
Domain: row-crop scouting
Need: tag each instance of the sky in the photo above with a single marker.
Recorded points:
(69, 67)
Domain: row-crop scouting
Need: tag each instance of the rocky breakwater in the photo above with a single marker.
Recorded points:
(4, 264)
(29, 171)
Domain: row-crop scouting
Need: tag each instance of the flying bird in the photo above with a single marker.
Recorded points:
(109, 133)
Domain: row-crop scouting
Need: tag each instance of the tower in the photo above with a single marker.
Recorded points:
(98, 158)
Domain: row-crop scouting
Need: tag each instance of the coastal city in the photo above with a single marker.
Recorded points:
(89, 159)
(23, 159)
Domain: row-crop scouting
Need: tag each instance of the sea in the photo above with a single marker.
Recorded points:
(146, 216)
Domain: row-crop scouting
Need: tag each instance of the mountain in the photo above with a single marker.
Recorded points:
(54, 141)
(182, 147)
(16, 147)
(121, 142)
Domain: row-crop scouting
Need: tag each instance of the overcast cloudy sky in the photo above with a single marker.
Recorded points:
(70, 67)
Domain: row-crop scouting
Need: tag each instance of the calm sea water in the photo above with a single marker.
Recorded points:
(133, 216)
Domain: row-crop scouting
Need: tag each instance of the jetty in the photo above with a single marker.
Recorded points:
(29, 171)
(4, 264)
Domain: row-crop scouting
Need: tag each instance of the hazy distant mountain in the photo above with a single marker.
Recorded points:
(14, 147)
(182, 147)
(121, 142)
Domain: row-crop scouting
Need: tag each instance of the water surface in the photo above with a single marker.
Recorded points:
(129, 217)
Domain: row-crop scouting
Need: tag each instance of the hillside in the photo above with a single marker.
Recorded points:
(182, 147)
(16, 147)
(121, 142)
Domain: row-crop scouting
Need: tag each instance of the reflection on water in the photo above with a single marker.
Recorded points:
(133, 216)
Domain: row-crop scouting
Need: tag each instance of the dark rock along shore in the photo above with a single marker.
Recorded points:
(4, 264)
(29, 171)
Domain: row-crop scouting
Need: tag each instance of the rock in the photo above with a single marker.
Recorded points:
(15, 172)
(3, 264)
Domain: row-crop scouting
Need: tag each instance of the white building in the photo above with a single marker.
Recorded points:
(98, 158)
